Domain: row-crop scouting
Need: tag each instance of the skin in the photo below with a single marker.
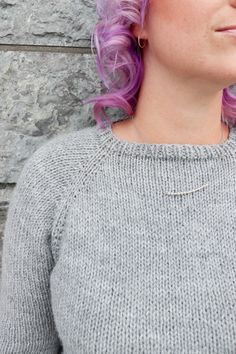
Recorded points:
(187, 64)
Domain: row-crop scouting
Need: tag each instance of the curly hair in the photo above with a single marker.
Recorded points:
(119, 60)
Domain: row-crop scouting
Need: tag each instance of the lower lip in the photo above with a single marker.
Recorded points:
(228, 32)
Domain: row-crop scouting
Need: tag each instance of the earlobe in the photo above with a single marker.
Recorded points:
(138, 31)
(135, 29)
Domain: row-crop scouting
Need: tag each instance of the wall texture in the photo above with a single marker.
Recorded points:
(46, 70)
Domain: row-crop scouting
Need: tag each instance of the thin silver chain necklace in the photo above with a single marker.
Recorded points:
(222, 140)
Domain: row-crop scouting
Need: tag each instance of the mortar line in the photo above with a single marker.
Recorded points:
(45, 48)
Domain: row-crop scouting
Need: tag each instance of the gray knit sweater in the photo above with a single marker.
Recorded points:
(98, 259)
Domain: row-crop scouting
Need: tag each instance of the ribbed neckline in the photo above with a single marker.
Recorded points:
(114, 144)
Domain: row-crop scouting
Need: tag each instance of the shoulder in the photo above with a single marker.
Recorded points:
(39, 199)
(74, 145)
(48, 175)
(63, 153)
(50, 171)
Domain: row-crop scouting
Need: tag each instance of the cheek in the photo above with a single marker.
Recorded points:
(182, 23)
(181, 39)
(177, 14)
(182, 13)
(178, 33)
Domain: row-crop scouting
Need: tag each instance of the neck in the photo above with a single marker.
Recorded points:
(178, 110)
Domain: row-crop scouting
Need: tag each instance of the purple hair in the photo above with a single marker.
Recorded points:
(119, 60)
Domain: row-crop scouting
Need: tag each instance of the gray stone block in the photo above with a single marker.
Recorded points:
(41, 96)
(60, 23)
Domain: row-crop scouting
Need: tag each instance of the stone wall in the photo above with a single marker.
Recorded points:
(46, 70)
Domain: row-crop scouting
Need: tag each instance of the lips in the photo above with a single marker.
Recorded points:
(227, 28)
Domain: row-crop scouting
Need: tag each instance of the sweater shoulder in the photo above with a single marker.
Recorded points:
(65, 163)
(49, 172)
(48, 177)
(60, 158)
(70, 147)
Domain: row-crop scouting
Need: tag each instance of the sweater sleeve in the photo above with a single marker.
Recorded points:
(26, 317)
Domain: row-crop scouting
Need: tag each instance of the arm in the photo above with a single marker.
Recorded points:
(26, 318)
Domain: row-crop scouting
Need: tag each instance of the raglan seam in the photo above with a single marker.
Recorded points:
(78, 182)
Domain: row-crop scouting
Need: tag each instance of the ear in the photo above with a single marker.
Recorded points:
(138, 31)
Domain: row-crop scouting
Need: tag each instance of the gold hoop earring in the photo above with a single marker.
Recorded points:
(140, 44)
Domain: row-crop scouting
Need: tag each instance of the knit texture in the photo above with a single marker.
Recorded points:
(98, 259)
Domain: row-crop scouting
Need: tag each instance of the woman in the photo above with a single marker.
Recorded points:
(122, 239)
